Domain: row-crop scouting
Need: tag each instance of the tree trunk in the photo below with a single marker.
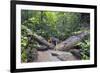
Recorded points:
(70, 42)
(65, 45)
(38, 38)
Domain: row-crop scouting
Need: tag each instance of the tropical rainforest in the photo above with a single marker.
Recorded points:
(54, 36)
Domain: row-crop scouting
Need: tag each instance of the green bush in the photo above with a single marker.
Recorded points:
(85, 47)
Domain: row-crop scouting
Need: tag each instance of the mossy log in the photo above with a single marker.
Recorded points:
(40, 39)
(70, 42)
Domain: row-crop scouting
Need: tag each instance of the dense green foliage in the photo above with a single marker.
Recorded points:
(85, 47)
(57, 24)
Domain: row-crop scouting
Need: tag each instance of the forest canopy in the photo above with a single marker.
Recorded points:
(60, 25)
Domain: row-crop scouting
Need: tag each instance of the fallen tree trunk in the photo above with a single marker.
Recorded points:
(70, 42)
(43, 41)
(65, 45)
(42, 48)
(38, 38)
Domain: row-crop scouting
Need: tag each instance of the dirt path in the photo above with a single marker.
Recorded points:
(46, 56)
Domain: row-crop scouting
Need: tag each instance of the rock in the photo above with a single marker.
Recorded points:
(68, 57)
(45, 56)
(64, 56)
(76, 53)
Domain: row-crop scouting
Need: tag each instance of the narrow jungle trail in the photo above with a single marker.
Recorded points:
(51, 55)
